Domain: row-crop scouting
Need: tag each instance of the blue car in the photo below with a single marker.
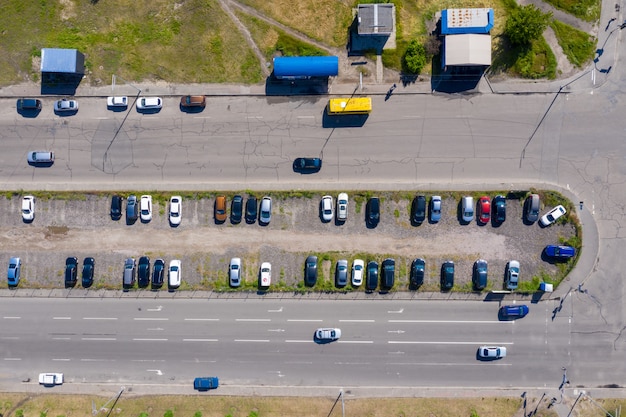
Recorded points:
(13, 275)
(513, 312)
(560, 252)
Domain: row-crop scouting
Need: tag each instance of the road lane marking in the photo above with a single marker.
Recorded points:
(251, 340)
(61, 338)
(355, 341)
(306, 320)
(478, 363)
(158, 371)
(200, 319)
(298, 341)
(99, 318)
(61, 318)
(12, 359)
(450, 321)
(159, 308)
(357, 321)
(199, 340)
(151, 319)
(10, 338)
(396, 312)
(280, 310)
(98, 338)
(416, 342)
(253, 320)
(11, 317)
(149, 340)
(97, 360)
(62, 359)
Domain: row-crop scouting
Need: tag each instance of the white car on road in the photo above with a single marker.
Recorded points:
(28, 208)
(145, 207)
(491, 352)
(50, 379)
(326, 335)
(552, 216)
(266, 274)
(176, 209)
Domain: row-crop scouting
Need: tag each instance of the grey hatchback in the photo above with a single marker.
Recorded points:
(341, 273)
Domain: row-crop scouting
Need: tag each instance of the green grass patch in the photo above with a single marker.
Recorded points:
(578, 46)
(588, 10)
(536, 61)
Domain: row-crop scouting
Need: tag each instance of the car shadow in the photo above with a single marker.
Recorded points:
(41, 164)
(148, 111)
(65, 113)
(29, 114)
(130, 222)
(191, 110)
(117, 109)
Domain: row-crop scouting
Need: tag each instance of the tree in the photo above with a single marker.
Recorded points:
(414, 57)
(526, 24)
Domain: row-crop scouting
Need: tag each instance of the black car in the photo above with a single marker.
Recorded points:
(499, 209)
(132, 211)
(372, 212)
(307, 165)
(418, 210)
(87, 277)
(157, 274)
(371, 282)
(418, 266)
(251, 210)
(310, 271)
(116, 207)
(388, 271)
(479, 275)
(236, 209)
(143, 272)
(447, 275)
(71, 270)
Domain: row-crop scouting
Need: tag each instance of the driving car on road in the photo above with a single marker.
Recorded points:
(234, 272)
(307, 165)
(418, 210)
(265, 275)
(174, 274)
(40, 158)
(447, 275)
(28, 208)
(265, 211)
(560, 252)
(88, 268)
(14, 271)
(149, 103)
(372, 212)
(357, 272)
(371, 281)
(491, 352)
(146, 208)
(479, 275)
(387, 278)
(513, 312)
(327, 208)
(116, 207)
(71, 271)
(236, 209)
(512, 275)
(484, 209)
(416, 279)
(552, 216)
(176, 210)
(65, 105)
(325, 335)
(310, 271)
(118, 101)
(435, 208)
(143, 272)
(467, 209)
(251, 209)
(499, 207)
(341, 273)
(158, 270)
(342, 207)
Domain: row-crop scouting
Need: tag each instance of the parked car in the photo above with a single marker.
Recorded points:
(371, 281)
(560, 252)
(143, 272)
(128, 281)
(372, 212)
(416, 278)
(342, 207)
(193, 101)
(484, 209)
(28, 104)
(513, 312)
(88, 269)
(479, 275)
(174, 274)
(341, 273)
(206, 383)
(327, 208)
(251, 209)
(234, 272)
(236, 209)
(357, 272)
(65, 105)
(146, 208)
(132, 211)
(158, 270)
(467, 209)
(499, 207)
(176, 210)
(116, 207)
(307, 165)
(447, 275)
(418, 210)
(310, 271)
(512, 275)
(43, 158)
(491, 352)
(14, 272)
(435, 208)
(326, 335)
(532, 205)
(265, 212)
(117, 101)
(388, 271)
(552, 216)
(50, 379)
(265, 275)
(149, 103)
(220, 209)
(71, 271)
(28, 208)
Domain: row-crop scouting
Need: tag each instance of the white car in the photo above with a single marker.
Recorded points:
(120, 101)
(234, 272)
(491, 352)
(176, 209)
(266, 274)
(149, 103)
(512, 275)
(65, 105)
(327, 335)
(28, 208)
(357, 272)
(145, 207)
(342, 207)
(265, 214)
(552, 216)
(327, 208)
(50, 379)
(174, 274)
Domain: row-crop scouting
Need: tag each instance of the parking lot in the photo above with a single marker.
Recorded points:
(81, 226)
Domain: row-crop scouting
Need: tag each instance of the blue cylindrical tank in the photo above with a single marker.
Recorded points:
(306, 66)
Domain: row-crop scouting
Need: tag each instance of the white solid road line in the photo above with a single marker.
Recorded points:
(200, 319)
(251, 340)
(451, 321)
(149, 340)
(298, 341)
(306, 320)
(416, 342)
(98, 339)
(357, 321)
(151, 318)
(99, 318)
(61, 318)
(199, 340)
(11, 318)
(253, 319)
(12, 359)
(355, 341)
(61, 359)
(9, 338)
(474, 363)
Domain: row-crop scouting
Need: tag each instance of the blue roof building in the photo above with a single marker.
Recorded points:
(62, 61)
(466, 21)
(299, 67)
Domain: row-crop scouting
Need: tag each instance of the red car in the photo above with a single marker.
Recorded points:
(484, 209)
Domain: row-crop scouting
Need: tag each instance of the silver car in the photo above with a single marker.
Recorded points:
(265, 213)
(435, 208)
(149, 103)
(234, 272)
(342, 207)
(65, 105)
(491, 352)
(327, 335)
(327, 208)
(467, 209)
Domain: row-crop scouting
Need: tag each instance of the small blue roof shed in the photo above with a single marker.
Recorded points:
(465, 21)
(64, 61)
(306, 66)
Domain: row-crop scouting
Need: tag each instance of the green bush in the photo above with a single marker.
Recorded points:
(526, 24)
(414, 57)
(168, 413)
(578, 46)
